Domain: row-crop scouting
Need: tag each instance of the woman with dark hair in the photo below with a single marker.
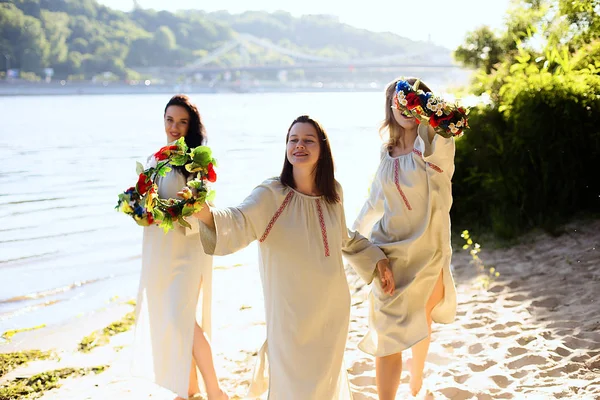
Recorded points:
(170, 344)
(298, 220)
(407, 214)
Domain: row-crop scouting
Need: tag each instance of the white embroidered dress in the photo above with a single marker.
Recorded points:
(407, 216)
(307, 299)
(174, 265)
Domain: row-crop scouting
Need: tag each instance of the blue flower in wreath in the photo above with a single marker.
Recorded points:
(138, 210)
(425, 96)
(403, 86)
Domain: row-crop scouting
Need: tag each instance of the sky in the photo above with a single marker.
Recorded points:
(444, 22)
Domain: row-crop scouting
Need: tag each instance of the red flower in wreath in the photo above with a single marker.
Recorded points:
(143, 184)
(413, 101)
(164, 152)
(172, 211)
(212, 175)
(436, 121)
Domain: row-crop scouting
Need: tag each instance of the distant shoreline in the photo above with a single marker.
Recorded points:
(118, 88)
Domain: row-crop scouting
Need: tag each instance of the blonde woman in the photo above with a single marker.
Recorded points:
(407, 216)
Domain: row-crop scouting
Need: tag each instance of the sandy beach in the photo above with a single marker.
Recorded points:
(534, 333)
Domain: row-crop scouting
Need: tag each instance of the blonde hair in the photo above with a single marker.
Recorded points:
(390, 126)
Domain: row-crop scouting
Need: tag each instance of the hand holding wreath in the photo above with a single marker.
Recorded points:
(141, 201)
(446, 119)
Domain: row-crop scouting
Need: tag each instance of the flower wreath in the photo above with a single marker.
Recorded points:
(141, 201)
(446, 119)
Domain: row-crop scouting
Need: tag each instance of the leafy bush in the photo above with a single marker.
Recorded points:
(532, 161)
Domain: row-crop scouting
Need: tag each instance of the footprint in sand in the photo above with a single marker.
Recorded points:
(481, 367)
(519, 374)
(550, 302)
(563, 325)
(505, 395)
(505, 334)
(473, 325)
(498, 327)
(593, 363)
(514, 284)
(527, 360)
(501, 380)
(461, 378)
(572, 367)
(523, 341)
(552, 373)
(475, 348)
(517, 297)
(455, 393)
(457, 344)
(363, 381)
(360, 367)
(497, 288)
(577, 343)
(562, 351)
(516, 351)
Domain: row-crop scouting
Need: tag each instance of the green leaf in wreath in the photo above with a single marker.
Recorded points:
(210, 196)
(202, 155)
(187, 210)
(193, 167)
(139, 168)
(158, 215)
(195, 184)
(167, 224)
(183, 222)
(416, 85)
(163, 171)
(181, 145)
(179, 160)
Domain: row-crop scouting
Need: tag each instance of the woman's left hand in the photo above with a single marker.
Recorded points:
(386, 276)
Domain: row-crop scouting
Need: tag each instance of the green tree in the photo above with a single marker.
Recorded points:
(56, 28)
(545, 89)
(29, 7)
(164, 39)
(23, 39)
(79, 45)
(482, 49)
(584, 17)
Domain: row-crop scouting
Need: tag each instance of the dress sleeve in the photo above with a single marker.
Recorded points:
(372, 210)
(237, 227)
(358, 250)
(439, 152)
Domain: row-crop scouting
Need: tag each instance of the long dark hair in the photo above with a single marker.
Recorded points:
(196, 134)
(324, 176)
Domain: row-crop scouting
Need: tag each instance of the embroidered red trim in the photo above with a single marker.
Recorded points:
(431, 165)
(396, 181)
(323, 228)
(276, 215)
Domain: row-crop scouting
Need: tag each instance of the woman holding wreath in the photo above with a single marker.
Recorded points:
(407, 216)
(171, 339)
